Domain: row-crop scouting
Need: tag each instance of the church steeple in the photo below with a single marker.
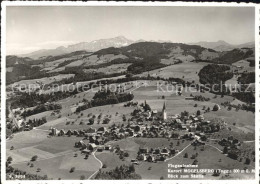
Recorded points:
(164, 107)
(164, 113)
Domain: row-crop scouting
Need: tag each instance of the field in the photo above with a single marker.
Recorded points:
(116, 68)
(245, 66)
(44, 81)
(95, 60)
(55, 155)
(187, 71)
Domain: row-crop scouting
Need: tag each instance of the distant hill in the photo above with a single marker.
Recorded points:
(223, 46)
(137, 58)
(12, 60)
(87, 46)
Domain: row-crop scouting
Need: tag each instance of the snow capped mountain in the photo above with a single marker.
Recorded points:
(92, 46)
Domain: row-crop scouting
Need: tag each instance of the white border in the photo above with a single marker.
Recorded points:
(93, 3)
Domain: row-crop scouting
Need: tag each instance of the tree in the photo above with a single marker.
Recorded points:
(215, 107)
(247, 161)
(124, 117)
(225, 151)
(161, 178)
(34, 158)
(82, 177)
(38, 170)
(186, 155)
(72, 169)
(132, 168)
(198, 113)
(9, 159)
(104, 166)
(91, 121)
(106, 121)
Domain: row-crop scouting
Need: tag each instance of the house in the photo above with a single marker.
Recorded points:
(189, 121)
(143, 150)
(53, 131)
(27, 128)
(91, 146)
(100, 149)
(75, 132)
(80, 144)
(165, 151)
(183, 127)
(178, 121)
(86, 151)
(61, 133)
(69, 132)
(102, 129)
(108, 147)
(150, 158)
(172, 151)
(192, 128)
(92, 139)
(142, 157)
(91, 130)
(201, 117)
(99, 141)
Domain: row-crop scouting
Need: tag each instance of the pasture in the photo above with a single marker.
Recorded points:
(187, 71)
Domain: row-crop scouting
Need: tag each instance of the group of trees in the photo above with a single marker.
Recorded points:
(147, 64)
(34, 99)
(105, 98)
(41, 108)
(247, 78)
(246, 107)
(215, 74)
(119, 173)
(200, 98)
(37, 122)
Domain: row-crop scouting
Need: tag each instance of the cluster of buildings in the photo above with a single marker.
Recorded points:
(193, 128)
(154, 155)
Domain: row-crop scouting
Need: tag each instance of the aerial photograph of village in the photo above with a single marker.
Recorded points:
(130, 93)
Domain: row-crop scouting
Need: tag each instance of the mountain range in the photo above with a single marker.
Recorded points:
(121, 41)
(92, 46)
(222, 45)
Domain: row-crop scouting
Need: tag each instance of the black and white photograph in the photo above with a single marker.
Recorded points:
(129, 92)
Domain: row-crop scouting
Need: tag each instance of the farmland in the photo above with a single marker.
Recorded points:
(152, 113)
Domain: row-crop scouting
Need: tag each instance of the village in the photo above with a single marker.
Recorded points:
(147, 123)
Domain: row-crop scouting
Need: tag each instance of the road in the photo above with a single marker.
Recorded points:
(178, 153)
(101, 165)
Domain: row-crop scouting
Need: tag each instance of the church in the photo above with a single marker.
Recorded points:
(164, 112)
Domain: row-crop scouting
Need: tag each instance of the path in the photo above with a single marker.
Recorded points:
(101, 165)
(178, 153)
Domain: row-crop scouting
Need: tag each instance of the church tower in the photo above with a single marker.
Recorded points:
(164, 113)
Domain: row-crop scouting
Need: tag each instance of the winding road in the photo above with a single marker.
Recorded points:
(101, 165)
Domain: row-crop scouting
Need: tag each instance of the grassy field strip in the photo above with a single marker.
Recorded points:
(178, 153)
(101, 165)
(56, 155)
(214, 147)
(40, 129)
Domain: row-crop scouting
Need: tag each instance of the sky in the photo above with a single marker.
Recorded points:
(31, 28)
